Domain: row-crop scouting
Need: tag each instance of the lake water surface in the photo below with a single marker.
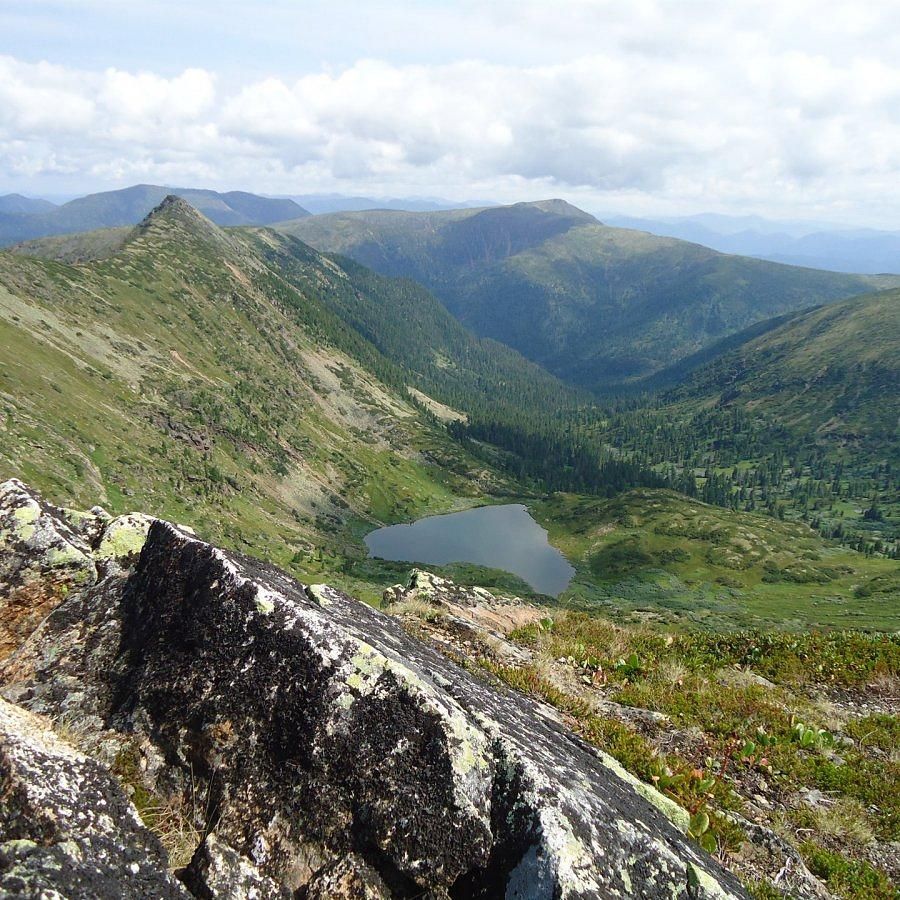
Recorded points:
(500, 537)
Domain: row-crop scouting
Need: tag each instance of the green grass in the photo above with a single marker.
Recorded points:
(709, 688)
(850, 879)
(656, 553)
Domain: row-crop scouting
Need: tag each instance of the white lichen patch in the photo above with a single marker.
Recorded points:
(467, 745)
(318, 593)
(265, 605)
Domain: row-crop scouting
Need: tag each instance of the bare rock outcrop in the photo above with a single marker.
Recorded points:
(42, 557)
(325, 752)
(66, 828)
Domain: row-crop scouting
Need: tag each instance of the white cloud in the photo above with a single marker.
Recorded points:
(145, 96)
(789, 107)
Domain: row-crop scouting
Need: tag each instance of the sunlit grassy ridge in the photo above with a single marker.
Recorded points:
(172, 377)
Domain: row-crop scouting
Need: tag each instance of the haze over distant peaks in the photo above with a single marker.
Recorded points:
(16, 204)
(328, 203)
(818, 245)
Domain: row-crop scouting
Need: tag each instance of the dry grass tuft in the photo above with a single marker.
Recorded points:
(846, 820)
(417, 608)
(174, 823)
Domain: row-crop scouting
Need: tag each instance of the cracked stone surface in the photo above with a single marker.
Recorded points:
(66, 828)
(331, 753)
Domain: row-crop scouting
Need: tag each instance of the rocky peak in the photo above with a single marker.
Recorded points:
(314, 747)
(174, 207)
(175, 219)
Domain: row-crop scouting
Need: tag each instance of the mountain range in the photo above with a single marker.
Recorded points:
(23, 219)
(594, 304)
(243, 379)
(834, 248)
(328, 203)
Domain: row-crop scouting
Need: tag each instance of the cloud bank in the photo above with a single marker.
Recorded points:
(781, 108)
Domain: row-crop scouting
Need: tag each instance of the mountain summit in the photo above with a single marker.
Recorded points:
(558, 208)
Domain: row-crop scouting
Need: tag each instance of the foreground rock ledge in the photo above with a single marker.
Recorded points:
(323, 752)
(66, 825)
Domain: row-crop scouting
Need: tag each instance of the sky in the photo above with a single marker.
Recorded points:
(780, 108)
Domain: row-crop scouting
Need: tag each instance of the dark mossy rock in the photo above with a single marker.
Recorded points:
(325, 752)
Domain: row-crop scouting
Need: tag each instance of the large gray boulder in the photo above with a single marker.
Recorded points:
(327, 752)
(66, 828)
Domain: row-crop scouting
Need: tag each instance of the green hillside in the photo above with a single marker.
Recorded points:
(831, 373)
(656, 556)
(801, 420)
(284, 402)
(184, 377)
(595, 305)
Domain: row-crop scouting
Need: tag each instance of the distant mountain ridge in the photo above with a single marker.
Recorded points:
(833, 248)
(328, 203)
(111, 209)
(594, 304)
(16, 204)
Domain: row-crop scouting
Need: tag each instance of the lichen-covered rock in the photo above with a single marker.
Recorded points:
(88, 525)
(217, 872)
(473, 614)
(351, 878)
(53, 654)
(428, 586)
(41, 560)
(119, 544)
(332, 752)
(62, 669)
(324, 731)
(66, 828)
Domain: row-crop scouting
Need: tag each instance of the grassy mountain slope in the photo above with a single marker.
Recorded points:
(801, 419)
(650, 555)
(128, 206)
(241, 382)
(831, 373)
(184, 377)
(594, 305)
(410, 327)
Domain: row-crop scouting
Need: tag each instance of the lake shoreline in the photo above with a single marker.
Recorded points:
(502, 536)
